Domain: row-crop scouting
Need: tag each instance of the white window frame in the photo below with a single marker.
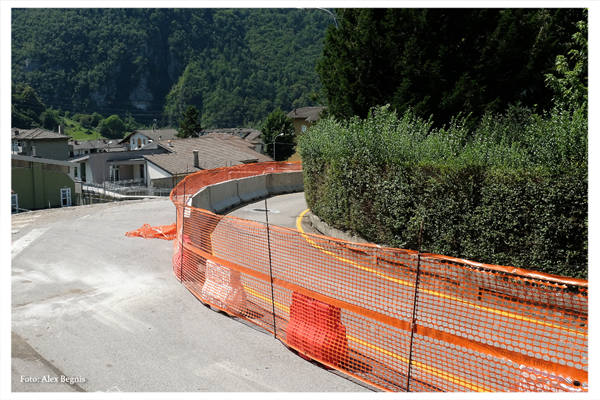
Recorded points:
(65, 193)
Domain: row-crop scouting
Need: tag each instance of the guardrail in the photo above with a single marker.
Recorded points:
(397, 319)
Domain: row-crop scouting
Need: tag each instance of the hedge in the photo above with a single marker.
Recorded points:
(514, 192)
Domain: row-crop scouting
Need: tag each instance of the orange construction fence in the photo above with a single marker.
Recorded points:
(396, 319)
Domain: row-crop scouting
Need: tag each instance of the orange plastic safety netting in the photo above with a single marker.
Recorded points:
(166, 232)
(397, 319)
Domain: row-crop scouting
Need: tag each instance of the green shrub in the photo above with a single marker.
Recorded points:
(513, 192)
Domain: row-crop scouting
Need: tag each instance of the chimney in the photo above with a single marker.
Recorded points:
(159, 137)
(169, 143)
(196, 160)
(16, 133)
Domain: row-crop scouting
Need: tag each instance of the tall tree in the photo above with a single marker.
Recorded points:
(278, 136)
(441, 62)
(26, 106)
(190, 125)
(571, 88)
(116, 127)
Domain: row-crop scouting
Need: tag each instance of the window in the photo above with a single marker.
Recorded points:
(65, 197)
(114, 173)
(14, 202)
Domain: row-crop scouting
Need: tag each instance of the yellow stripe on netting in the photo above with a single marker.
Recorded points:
(430, 370)
(431, 292)
(254, 293)
(353, 263)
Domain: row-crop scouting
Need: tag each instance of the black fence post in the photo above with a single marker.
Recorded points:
(414, 315)
(270, 269)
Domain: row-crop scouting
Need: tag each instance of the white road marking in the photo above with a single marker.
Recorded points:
(85, 216)
(20, 225)
(18, 245)
(24, 220)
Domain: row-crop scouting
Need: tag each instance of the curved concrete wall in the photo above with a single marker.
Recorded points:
(225, 195)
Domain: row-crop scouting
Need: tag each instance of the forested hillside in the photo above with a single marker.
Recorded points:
(234, 65)
(443, 62)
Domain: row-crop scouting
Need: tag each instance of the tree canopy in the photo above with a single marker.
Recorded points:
(234, 65)
(278, 136)
(112, 127)
(571, 88)
(26, 106)
(442, 62)
(189, 126)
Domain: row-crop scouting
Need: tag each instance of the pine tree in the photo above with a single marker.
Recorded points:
(190, 125)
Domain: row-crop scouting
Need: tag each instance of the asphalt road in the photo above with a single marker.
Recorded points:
(282, 210)
(96, 311)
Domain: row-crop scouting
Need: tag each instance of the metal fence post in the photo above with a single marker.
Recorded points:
(270, 269)
(414, 315)
(182, 228)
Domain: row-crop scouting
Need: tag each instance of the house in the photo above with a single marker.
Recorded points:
(140, 138)
(192, 155)
(78, 148)
(304, 117)
(42, 183)
(39, 142)
(125, 165)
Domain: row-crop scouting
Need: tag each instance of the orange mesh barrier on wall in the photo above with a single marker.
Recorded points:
(397, 319)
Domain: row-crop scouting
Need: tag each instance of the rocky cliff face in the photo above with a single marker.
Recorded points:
(141, 96)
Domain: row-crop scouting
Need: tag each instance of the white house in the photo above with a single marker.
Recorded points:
(141, 138)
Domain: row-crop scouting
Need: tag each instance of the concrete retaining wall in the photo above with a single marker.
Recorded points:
(225, 195)
(324, 229)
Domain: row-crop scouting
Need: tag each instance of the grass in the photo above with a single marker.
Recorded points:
(78, 132)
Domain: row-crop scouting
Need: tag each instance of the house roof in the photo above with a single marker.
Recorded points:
(244, 133)
(213, 152)
(36, 134)
(310, 114)
(94, 144)
(43, 160)
(158, 134)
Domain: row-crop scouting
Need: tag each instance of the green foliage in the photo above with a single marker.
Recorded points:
(96, 118)
(513, 192)
(112, 127)
(442, 62)
(190, 125)
(572, 89)
(50, 119)
(283, 146)
(25, 106)
(236, 65)
(130, 123)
